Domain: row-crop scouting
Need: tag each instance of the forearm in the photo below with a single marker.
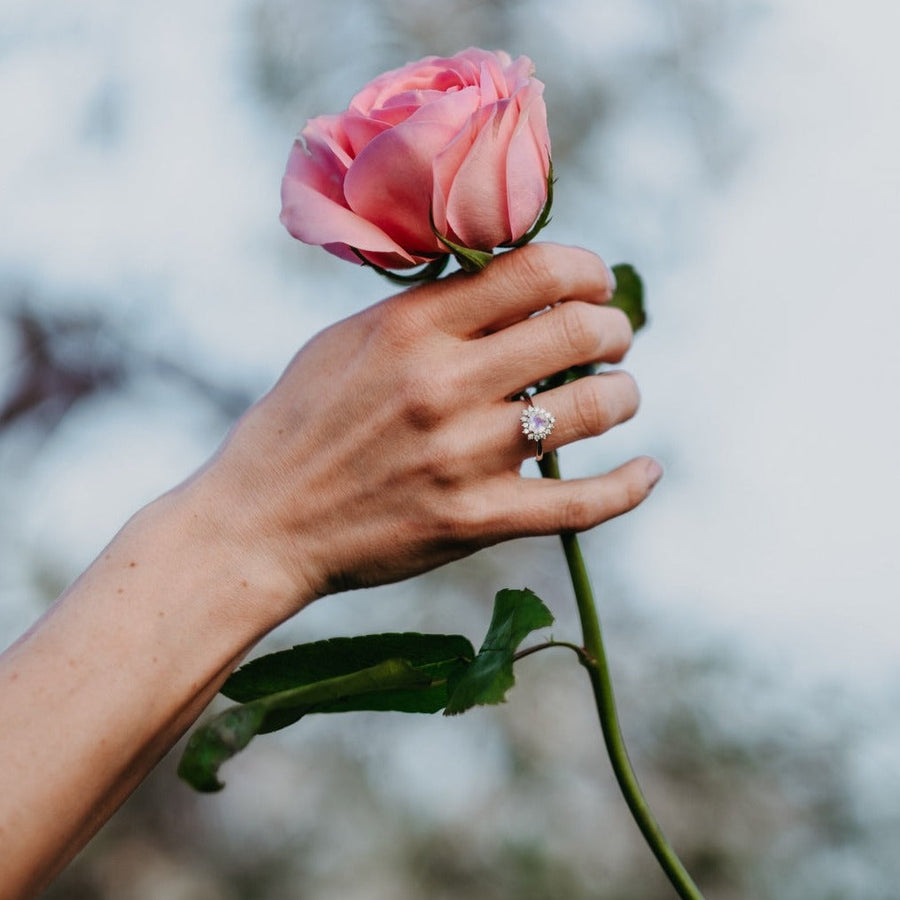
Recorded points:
(388, 447)
(111, 677)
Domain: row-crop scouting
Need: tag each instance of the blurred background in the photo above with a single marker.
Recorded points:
(744, 155)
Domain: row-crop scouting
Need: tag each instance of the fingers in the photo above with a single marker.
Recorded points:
(569, 334)
(559, 506)
(514, 286)
(492, 434)
(526, 507)
(586, 408)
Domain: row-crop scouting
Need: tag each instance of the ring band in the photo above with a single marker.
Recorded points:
(537, 423)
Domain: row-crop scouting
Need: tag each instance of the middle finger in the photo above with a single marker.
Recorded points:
(570, 334)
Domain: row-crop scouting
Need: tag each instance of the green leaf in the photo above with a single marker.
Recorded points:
(437, 655)
(629, 295)
(228, 733)
(516, 614)
(215, 742)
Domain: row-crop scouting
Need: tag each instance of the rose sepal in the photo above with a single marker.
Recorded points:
(469, 260)
(429, 272)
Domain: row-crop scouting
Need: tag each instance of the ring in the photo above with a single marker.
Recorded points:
(537, 423)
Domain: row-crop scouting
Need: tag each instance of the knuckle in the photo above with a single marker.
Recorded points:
(428, 390)
(421, 399)
(460, 518)
(395, 325)
(556, 271)
(593, 408)
(472, 515)
(441, 464)
(579, 331)
(453, 378)
(540, 268)
(579, 513)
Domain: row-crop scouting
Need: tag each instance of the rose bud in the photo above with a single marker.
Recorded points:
(439, 155)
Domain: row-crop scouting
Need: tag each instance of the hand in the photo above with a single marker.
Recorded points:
(390, 445)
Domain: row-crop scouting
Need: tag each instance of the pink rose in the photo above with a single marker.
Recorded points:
(461, 143)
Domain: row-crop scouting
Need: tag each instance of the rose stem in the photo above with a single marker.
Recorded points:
(598, 669)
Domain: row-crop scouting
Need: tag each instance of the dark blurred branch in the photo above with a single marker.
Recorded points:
(66, 358)
(51, 379)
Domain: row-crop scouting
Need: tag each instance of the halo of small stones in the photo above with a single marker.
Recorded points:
(537, 423)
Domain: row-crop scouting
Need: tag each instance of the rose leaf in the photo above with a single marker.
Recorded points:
(490, 675)
(629, 295)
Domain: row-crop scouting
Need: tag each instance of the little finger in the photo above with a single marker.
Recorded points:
(525, 507)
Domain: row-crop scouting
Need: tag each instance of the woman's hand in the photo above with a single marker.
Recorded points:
(390, 445)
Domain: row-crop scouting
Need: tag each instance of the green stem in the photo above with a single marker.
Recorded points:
(579, 651)
(601, 682)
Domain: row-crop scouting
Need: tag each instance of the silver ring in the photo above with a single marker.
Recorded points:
(537, 423)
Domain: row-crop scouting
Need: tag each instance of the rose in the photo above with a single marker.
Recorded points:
(454, 148)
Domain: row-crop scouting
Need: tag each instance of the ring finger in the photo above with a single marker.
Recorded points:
(581, 409)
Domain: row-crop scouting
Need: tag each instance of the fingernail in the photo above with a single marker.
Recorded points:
(611, 279)
(654, 472)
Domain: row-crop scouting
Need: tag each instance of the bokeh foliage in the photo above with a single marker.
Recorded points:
(756, 782)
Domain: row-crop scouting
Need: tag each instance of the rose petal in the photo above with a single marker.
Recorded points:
(492, 88)
(469, 64)
(324, 136)
(462, 139)
(385, 260)
(413, 76)
(527, 162)
(478, 205)
(518, 73)
(315, 164)
(391, 184)
(362, 130)
(446, 166)
(313, 218)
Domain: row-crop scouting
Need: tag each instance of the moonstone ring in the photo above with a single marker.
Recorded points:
(537, 423)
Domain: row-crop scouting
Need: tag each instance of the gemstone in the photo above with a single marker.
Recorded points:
(537, 423)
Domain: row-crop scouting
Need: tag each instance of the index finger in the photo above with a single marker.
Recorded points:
(514, 286)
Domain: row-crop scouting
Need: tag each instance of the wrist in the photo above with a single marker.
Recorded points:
(117, 670)
(236, 564)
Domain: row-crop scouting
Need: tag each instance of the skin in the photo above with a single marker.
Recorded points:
(388, 447)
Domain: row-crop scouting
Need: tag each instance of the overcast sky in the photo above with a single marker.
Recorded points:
(781, 382)
(769, 373)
